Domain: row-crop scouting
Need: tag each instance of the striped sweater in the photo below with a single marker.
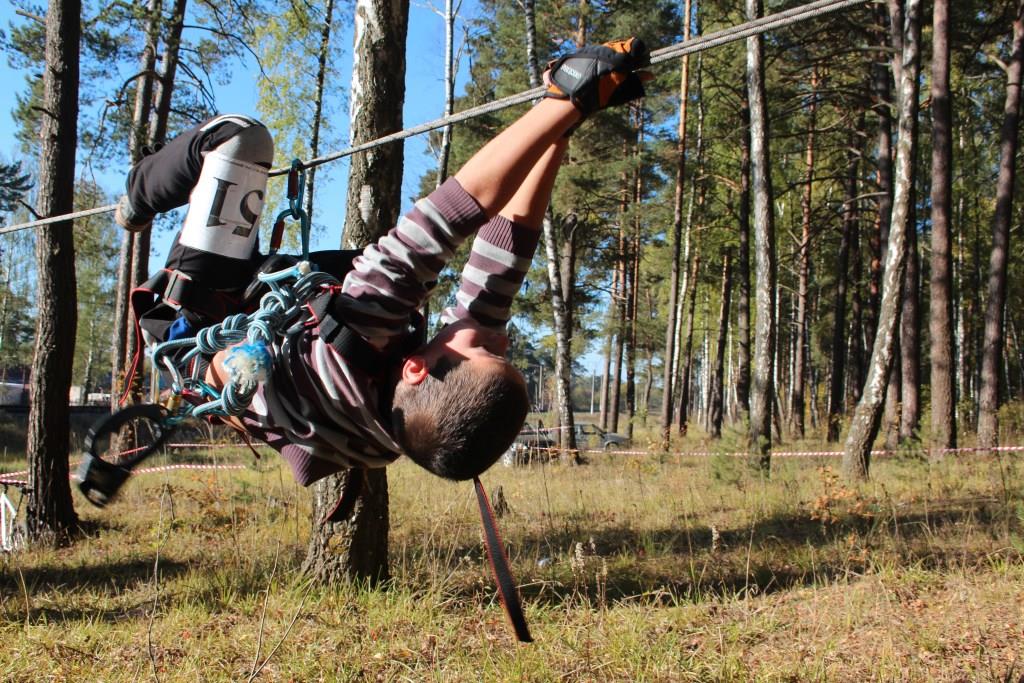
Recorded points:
(322, 413)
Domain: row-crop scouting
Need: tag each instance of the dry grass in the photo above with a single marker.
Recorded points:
(633, 569)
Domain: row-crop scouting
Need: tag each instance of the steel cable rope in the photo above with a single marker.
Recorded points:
(697, 44)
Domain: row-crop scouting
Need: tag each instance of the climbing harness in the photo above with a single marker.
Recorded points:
(291, 293)
(282, 305)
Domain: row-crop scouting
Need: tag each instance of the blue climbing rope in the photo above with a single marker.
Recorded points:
(250, 362)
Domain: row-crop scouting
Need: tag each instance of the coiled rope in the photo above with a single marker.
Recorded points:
(280, 308)
(732, 34)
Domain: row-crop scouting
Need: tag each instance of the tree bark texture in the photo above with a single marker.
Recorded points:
(375, 110)
(686, 358)
(668, 371)
(358, 548)
(318, 103)
(762, 390)
(50, 512)
(716, 409)
(743, 272)
(837, 369)
(558, 286)
(804, 266)
(865, 423)
(940, 323)
(910, 333)
(992, 349)
(124, 341)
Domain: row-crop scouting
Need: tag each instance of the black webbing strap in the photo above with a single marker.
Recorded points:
(355, 481)
(499, 564)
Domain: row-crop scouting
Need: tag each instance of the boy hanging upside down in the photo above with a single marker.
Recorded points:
(355, 388)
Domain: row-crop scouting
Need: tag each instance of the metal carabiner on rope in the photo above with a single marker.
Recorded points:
(296, 190)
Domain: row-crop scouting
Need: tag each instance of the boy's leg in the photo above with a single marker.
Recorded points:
(530, 202)
(599, 76)
(494, 174)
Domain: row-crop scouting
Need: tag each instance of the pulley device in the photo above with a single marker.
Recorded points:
(115, 445)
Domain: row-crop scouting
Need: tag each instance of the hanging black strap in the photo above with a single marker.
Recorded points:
(499, 564)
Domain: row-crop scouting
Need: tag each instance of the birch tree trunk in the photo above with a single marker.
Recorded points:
(449, 77)
(940, 313)
(864, 427)
(358, 548)
(50, 512)
(556, 285)
(762, 394)
(988, 416)
(677, 239)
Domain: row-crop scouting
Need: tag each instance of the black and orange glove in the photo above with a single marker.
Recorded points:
(600, 76)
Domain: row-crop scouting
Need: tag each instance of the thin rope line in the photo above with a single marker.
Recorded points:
(58, 219)
(697, 44)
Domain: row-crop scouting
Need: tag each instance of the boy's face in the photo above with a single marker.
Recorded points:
(460, 342)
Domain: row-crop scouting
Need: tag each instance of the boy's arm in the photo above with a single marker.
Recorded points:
(504, 248)
(393, 277)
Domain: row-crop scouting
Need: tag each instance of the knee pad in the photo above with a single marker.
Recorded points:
(226, 203)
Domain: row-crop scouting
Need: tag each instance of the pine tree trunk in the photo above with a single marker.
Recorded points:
(124, 343)
(992, 350)
(910, 336)
(168, 72)
(318, 103)
(358, 548)
(141, 241)
(375, 109)
(50, 512)
(716, 409)
(837, 369)
(940, 317)
(634, 279)
(762, 390)
(865, 423)
(683, 411)
(677, 241)
(743, 274)
(804, 266)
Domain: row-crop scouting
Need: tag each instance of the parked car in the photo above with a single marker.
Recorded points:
(531, 444)
(592, 436)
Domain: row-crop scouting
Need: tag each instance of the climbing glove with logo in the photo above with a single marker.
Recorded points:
(600, 76)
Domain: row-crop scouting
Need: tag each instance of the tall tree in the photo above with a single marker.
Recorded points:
(716, 410)
(762, 394)
(358, 548)
(50, 513)
(992, 351)
(677, 239)
(559, 279)
(866, 419)
(804, 264)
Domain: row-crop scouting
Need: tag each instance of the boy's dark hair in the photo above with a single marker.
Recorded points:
(459, 420)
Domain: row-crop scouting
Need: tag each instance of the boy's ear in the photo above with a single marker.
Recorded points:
(414, 369)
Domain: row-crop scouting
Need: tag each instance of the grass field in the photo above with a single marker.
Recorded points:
(633, 568)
